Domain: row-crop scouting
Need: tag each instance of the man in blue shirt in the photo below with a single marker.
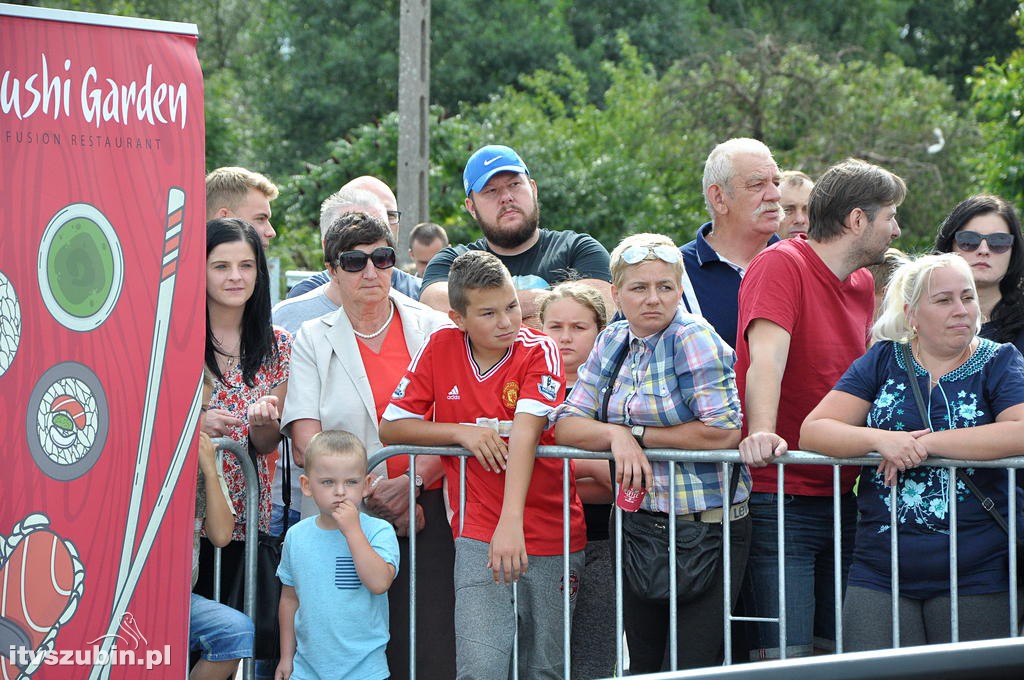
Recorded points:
(741, 190)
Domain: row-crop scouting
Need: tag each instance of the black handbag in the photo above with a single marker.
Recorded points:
(645, 540)
(962, 476)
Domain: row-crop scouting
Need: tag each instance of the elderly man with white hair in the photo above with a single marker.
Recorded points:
(741, 190)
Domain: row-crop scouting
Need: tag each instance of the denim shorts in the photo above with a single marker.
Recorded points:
(810, 593)
(219, 631)
(277, 519)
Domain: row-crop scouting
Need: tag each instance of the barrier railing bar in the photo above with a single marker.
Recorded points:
(987, 659)
(954, 574)
(252, 514)
(726, 458)
(1011, 524)
(837, 556)
(894, 568)
(726, 474)
(780, 523)
(673, 592)
(412, 567)
(566, 585)
(619, 631)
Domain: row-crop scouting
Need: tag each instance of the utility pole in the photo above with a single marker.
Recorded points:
(413, 117)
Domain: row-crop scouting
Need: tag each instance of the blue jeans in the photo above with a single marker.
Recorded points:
(277, 518)
(810, 571)
(219, 631)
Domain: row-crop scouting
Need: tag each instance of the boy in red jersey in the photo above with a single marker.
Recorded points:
(492, 384)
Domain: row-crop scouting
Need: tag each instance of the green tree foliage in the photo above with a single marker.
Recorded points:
(633, 162)
(998, 96)
(869, 27)
(813, 112)
(949, 39)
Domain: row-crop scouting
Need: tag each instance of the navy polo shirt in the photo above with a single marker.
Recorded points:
(715, 283)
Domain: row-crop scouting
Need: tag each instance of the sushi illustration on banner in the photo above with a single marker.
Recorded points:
(42, 581)
(67, 421)
(10, 324)
(81, 267)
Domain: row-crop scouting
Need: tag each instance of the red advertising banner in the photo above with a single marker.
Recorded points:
(102, 208)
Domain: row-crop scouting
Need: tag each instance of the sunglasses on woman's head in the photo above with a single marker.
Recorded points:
(968, 241)
(355, 260)
(635, 254)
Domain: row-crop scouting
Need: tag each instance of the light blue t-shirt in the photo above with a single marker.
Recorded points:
(341, 628)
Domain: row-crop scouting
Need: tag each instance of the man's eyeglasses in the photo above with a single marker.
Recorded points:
(968, 241)
(394, 216)
(355, 260)
(635, 254)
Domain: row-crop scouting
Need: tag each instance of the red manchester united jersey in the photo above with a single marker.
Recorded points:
(528, 379)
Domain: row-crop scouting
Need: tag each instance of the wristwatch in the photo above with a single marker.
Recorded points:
(417, 480)
(638, 434)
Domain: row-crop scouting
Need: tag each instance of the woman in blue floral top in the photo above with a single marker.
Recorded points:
(974, 392)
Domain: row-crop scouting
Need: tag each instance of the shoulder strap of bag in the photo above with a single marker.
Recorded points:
(619, 360)
(986, 502)
(286, 479)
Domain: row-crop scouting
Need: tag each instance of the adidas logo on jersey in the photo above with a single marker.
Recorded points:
(453, 394)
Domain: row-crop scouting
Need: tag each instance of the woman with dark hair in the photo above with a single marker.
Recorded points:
(985, 231)
(248, 357)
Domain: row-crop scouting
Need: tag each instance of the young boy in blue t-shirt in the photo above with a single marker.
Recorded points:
(336, 568)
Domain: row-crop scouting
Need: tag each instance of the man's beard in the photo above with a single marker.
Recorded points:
(514, 238)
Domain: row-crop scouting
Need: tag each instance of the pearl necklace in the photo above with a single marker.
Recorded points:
(371, 336)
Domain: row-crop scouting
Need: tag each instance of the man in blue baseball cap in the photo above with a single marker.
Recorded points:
(502, 198)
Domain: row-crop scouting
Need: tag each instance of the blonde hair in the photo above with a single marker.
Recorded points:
(618, 265)
(882, 272)
(228, 187)
(580, 293)
(906, 287)
(334, 443)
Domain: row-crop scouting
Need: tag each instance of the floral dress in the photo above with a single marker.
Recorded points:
(974, 394)
(235, 396)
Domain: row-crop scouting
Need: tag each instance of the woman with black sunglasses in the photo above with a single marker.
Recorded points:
(985, 231)
(345, 367)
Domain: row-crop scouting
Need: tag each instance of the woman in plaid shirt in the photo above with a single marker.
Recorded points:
(675, 389)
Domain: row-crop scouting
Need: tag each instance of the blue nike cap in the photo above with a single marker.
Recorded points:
(487, 162)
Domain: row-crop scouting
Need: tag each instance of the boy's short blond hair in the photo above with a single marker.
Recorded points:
(228, 187)
(334, 443)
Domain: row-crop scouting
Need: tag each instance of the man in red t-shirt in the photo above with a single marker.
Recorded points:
(491, 384)
(805, 310)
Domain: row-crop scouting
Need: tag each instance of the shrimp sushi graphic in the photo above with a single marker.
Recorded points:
(42, 581)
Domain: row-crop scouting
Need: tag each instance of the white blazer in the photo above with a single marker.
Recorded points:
(328, 380)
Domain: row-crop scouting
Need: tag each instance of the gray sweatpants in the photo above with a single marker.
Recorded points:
(485, 621)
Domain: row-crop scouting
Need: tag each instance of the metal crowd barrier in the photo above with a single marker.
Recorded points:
(727, 458)
(252, 514)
